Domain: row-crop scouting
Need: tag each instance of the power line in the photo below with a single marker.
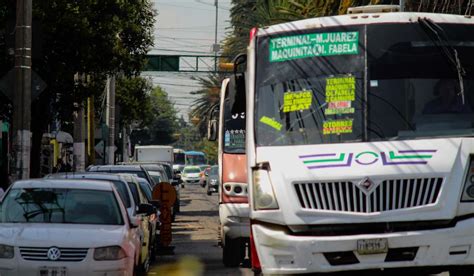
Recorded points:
(182, 51)
(187, 28)
(180, 85)
(184, 7)
(209, 4)
(187, 38)
(192, 31)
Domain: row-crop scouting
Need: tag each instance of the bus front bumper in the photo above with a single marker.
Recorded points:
(282, 253)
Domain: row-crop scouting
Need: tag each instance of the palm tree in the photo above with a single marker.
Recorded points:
(209, 98)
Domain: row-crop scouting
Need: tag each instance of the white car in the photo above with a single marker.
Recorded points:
(66, 227)
(191, 175)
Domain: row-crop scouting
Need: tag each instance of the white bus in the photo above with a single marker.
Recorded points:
(360, 143)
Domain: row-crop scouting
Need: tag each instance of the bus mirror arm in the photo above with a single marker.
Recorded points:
(265, 165)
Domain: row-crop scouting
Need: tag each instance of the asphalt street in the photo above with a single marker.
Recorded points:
(195, 237)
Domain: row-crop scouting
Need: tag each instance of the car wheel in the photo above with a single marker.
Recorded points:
(209, 193)
(233, 252)
(144, 267)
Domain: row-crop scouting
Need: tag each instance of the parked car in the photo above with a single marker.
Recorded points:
(120, 182)
(149, 222)
(213, 180)
(136, 170)
(62, 226)
(161, 172)
(190, 175)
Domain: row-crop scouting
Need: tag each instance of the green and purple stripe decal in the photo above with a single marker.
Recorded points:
(336, 160)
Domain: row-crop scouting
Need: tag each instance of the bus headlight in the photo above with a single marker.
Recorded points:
(263, 194)
(468, 194)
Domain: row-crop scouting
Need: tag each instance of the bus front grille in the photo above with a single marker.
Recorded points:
(388, 195)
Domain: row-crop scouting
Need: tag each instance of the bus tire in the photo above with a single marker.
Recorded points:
(460, 272)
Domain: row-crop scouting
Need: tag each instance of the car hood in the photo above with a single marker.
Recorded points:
(61, 235)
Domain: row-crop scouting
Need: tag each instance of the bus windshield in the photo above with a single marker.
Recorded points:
(356, 83)
(195, 158)
(234, 116)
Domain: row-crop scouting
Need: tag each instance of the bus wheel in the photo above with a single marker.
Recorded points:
(460, 272)
(233, 252)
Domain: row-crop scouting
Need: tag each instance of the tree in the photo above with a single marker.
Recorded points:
(133, 98)
(164, 123)
(210, 94)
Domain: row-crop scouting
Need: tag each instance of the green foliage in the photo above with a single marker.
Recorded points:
(93, 37)
(133, 98)
(189, 136)
(209, 98)
(209, 148)
(164, 123)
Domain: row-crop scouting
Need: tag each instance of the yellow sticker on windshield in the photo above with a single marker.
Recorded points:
(295, 101)
(271, 122)
(340, 89)
(337, 127)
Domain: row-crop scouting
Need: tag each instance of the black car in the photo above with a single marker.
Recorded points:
(213, 180)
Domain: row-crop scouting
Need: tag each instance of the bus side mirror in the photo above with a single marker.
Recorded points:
(212, 130)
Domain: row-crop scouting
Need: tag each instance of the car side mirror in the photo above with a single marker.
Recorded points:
(146, 209)
(135, 222)
(155, 203)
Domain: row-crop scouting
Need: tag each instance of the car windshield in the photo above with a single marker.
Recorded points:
(168, 170)
(134, 190)
(46, 205)
(157, 177)
(312, 87)
(146, 189)
(123, 192)
(135, 173)
(191, 170)
(214, 170)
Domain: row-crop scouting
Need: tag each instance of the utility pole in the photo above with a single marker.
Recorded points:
(22, 97)
(91, 130)
(110, 119)
(402, 5)
(215, 48)
(79, 144)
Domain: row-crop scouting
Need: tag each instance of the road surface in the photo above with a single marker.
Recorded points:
(195, 234)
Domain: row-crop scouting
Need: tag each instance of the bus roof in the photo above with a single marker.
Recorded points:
(364, 19)
(191, 152)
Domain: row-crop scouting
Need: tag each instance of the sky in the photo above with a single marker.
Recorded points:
(186, 27)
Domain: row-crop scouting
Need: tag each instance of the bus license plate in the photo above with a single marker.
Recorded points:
(372, 246)
(52, 271)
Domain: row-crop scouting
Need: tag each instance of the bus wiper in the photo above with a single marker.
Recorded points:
(439, 37)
